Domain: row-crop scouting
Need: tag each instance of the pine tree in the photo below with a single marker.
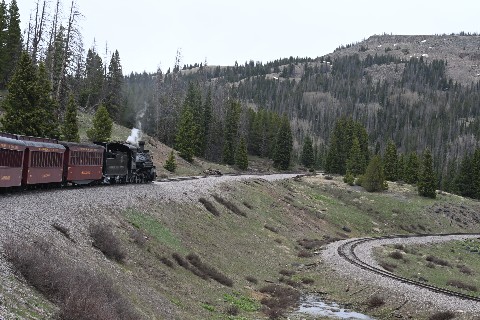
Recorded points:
(171, 164)
(93, 84)
(13, 42)
(70, 125)
(102, 126)
(374, 178)
(114, 82)
(427, 182)
(283, 145)
(401, 167)
(231, 130)
(308, 156)
(29, 108)
(185, 138)
(3, 39)
(207, 121)
(412, 168)
(390, 162)
(241, 158)
(356, 164)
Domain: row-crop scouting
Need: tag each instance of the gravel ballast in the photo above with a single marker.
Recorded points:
(401, 291)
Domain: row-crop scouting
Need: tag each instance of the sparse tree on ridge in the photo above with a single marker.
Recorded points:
(170, 163)
(241, 157)
(390, 162)
(101, 130)
(283, 145)
(308, 156)
(374, 179)
(427, 182)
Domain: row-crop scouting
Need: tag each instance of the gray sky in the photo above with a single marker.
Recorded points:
(147, 33)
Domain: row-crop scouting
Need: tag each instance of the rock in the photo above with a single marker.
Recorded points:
(346, 229)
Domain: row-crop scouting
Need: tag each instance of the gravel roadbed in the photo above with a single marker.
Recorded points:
(402, 291)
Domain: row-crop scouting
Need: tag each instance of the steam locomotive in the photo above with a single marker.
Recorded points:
(39, 162)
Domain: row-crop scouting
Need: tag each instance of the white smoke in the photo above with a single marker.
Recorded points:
(134, 137)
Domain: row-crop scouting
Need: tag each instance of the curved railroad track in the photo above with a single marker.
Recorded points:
(347, 251)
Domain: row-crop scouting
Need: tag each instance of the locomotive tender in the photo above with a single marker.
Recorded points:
(30, 162)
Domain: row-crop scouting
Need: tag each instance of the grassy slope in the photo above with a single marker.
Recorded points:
(242, 247)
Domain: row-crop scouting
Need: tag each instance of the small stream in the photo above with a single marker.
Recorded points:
(314, 306)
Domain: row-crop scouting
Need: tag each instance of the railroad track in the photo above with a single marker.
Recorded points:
(347, 252)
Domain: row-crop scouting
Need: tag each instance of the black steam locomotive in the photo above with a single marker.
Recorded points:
(30, 162)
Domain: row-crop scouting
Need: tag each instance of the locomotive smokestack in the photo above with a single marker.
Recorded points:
(141, 145)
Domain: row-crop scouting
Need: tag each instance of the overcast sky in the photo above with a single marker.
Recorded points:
(147, 33)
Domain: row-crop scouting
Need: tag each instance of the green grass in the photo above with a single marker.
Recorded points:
(242, 302)
(456, 253)
(154, 228)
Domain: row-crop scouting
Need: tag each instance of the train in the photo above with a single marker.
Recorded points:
(32, 162)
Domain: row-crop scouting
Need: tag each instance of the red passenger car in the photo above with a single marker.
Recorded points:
(43, 162)
(83, 162)
(11, 160)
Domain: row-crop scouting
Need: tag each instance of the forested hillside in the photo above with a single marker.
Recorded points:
(419, 91)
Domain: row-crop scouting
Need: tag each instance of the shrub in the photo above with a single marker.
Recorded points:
(79, 293)
(271, 228)
(209, 206)
(138, 237)
(63, 230)
(304, 254)
(287, 273)
(209, 270)
(229, 205)
(248, 205)
(375, 301)
(462, 285)
(465, 269)
(442, 315)
(107, 243)
(396, 255)
(167, 262)
(280, 299)
(438, 261)
(349, 179)
(251, 279)
(307, 280)
(388, 266)
(170, 163)
(232, 310)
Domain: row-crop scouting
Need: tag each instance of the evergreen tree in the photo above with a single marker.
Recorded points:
(308, 156)
(231, 130)
(113, 98)
(185, 138)
(93, 84)
(207, 120)
(412, 168)
(13, 42)
(241, 158)
(427, 182)
(3, 39)
(374, 178)
(171, 164)
(283, 145)
(341, 141)
(193, 102)
(29, 108)
(401, 167)
(102, 126)
(356, 160)
(390, 162)
(70, 125)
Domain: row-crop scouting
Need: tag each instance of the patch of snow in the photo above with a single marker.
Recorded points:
(425, 55)
(379, 46)
(423, 41)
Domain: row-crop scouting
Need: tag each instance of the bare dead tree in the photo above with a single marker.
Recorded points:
(38, 30)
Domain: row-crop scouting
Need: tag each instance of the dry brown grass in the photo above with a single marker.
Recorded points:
(442, 315)
(229, 205)
(279, 300)
(462, 285)
(209, 206)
